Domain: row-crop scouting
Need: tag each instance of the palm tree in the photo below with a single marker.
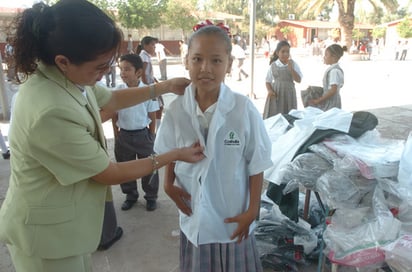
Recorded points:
(346, 12)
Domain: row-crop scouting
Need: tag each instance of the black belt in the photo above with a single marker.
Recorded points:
(134, 130)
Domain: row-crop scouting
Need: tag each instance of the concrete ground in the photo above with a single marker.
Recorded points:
(151, 243)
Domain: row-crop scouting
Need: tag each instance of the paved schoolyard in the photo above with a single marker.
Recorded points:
(150, 241)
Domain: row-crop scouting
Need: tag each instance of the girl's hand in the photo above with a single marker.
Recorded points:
(290, 64)
(176, 85)
(180, 197)
(243, 220)
(193, 153)
(272, 94)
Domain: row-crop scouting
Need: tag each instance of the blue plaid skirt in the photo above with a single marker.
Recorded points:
(231, 257)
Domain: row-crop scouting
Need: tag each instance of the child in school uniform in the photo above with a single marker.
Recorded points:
(280, 82)
(135, 130)
(147, 49)
(219, 198)
(333, 80)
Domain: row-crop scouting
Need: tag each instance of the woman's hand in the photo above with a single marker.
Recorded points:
(193, 153)
(176, 85)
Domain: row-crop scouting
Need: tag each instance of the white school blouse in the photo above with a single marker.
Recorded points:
(237, 147)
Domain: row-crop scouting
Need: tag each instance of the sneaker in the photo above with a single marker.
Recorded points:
(151, 205)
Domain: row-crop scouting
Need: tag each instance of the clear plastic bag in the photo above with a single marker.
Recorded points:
(398, 254)
(337, 190)
(405, 164)
(305, 169)
(361, 246)
(375, 157)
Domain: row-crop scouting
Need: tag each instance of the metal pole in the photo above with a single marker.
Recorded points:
(252, 47)
(3, 95)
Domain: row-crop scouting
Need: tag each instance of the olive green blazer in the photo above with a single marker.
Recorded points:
(52, 208)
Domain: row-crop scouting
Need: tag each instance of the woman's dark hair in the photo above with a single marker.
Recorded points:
(145, 41)
(134, 60)
(76, 29)
(275, 56)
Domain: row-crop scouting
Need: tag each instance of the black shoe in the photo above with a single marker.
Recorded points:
(151, 205)
(117, 235)
(6, 155)
(128, 204)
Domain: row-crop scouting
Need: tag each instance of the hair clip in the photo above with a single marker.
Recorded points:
(208, 23)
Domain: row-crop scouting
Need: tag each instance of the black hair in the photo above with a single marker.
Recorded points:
(212, 30)
(336, 50)
(145, 41)
(76, 29)
(134, 60)
(275, 56)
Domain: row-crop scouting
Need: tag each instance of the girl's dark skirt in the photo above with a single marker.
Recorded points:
(231, 257)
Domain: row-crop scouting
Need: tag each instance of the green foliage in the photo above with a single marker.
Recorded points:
(393, 16)
(108, 7)
(140, 14)
(379, 32)
(179, 15)
(286, 31)
(357, 34)
(404, 28)
(235, 7)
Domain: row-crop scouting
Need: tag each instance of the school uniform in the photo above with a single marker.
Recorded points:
(333, 76)
(53, 210)
(283, 85)
(135, 140)
(236, 147)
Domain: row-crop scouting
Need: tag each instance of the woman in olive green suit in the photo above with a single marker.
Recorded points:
(52, 216)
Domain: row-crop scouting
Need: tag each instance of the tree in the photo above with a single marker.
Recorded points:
(286, 31)
(346, 13)
(179, 15)
(140, 14)
(404, 28)
(379, 32)
(236, 7)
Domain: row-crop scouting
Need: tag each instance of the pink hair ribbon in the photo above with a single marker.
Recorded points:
(208, 22)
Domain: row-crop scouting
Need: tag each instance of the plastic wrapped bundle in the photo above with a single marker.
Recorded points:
(324, 152)
(361, 245)
(398, 255)
(304, 169)
(374, 156)
(338, 190)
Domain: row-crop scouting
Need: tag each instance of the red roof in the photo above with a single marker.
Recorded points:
(321, 24)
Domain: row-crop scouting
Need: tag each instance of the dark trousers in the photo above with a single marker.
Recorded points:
(109, 223)
(130, 145)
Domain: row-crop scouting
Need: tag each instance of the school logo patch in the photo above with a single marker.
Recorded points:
(232, 139)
